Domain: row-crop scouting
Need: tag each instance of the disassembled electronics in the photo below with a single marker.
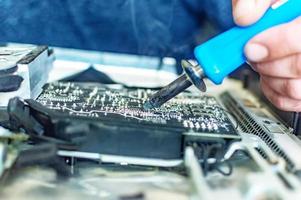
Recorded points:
(254, 120)
(271, 180)
(111, 121)
(109, 125)
(188, 112)
(29, 65)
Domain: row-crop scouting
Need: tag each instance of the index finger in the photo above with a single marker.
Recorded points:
(247, 12)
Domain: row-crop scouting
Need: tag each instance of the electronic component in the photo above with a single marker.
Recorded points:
(29, 63)
(108, 120)
(96, 118)
(269, 180)
(252, 119)
(186, 112)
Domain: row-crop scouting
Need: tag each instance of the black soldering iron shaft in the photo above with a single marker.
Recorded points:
(168, 92)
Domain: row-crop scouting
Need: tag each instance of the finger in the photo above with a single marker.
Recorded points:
(275, 43)
(287, 67)
(247, 12)
(280, 101)
(286, 87)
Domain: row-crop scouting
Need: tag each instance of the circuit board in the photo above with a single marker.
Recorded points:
(186, 112)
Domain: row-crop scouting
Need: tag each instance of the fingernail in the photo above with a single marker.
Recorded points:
(256, 52)
(243, 7)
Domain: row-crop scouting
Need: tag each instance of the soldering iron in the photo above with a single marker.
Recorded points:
(223, 54)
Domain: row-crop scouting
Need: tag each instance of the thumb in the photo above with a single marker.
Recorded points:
(247, 12)
(275, 43)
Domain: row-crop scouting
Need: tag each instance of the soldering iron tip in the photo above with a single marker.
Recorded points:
(147, 106)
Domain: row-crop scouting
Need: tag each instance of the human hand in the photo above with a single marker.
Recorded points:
(275, 54)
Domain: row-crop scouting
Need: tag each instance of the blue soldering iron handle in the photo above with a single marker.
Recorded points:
(225, 53)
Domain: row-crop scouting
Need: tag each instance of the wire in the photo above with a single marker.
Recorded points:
(227, 173)
(205, 151)
(296, 116)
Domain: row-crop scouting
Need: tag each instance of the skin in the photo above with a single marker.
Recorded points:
(275, 54)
